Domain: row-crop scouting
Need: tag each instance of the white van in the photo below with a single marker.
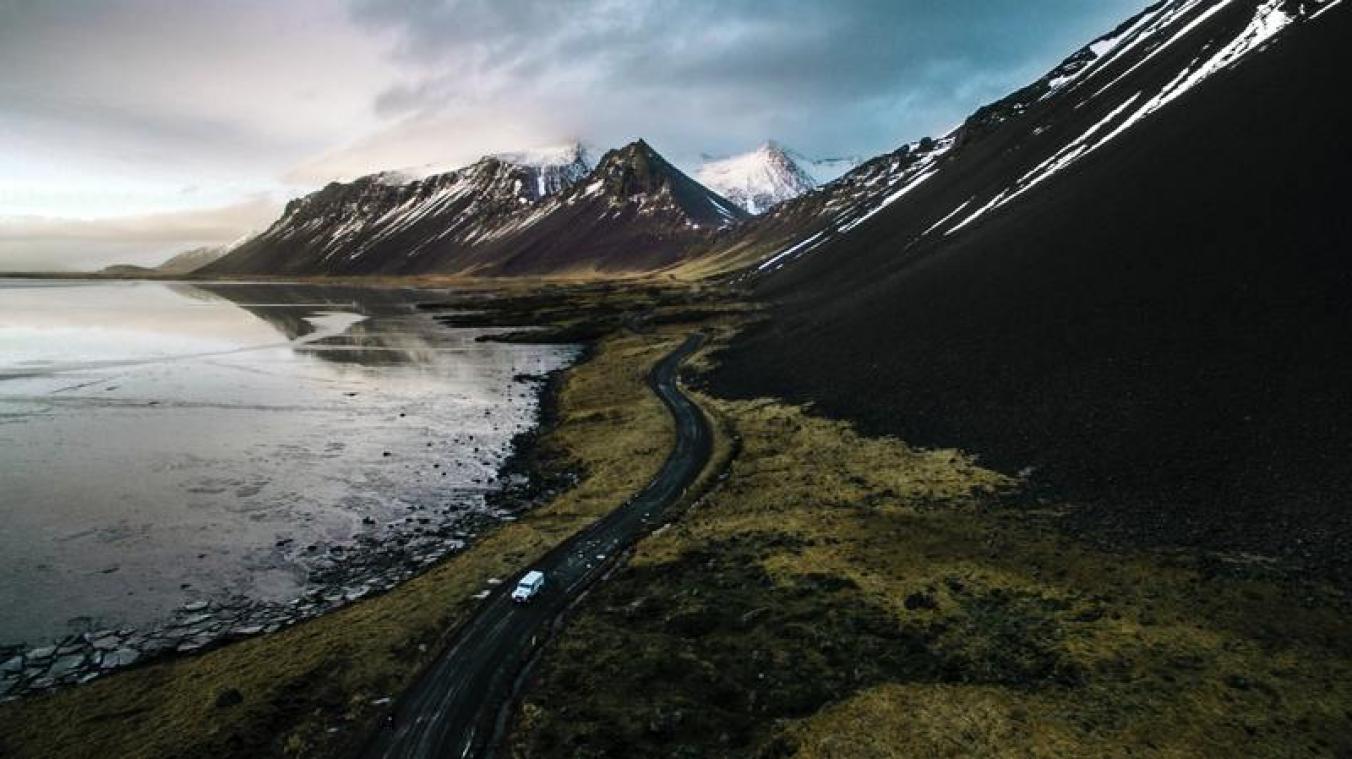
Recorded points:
(530, 586)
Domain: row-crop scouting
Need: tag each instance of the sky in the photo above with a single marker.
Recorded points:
(133, 129)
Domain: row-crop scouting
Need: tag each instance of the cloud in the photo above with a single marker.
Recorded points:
(827, 76)
(141, 92)
(432, 139)
(38, 243)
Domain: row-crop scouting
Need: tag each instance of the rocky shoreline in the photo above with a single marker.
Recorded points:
(341, 573)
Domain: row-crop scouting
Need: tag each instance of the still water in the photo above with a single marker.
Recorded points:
(163, 444)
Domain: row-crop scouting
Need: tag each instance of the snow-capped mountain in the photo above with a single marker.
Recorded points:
(1005, 149)
(757, 180)
(768, 176)
(1128, 278)
(529, 212)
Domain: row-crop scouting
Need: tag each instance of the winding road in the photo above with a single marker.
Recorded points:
(453, 709)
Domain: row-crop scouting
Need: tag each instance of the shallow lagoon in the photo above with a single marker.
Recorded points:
(163, 444)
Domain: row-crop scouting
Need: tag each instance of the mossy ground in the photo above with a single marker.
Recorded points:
(320, 676)
(844, 596)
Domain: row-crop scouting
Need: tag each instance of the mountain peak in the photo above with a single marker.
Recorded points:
(762, 178)
(635, 169)
(638, 150)
(638, 172)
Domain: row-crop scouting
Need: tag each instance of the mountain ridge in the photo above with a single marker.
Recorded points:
(632, 211)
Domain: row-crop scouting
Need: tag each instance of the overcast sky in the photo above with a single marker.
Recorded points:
(130, 129)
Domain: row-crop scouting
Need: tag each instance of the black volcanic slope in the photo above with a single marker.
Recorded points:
(1161, 331)
(634, 212)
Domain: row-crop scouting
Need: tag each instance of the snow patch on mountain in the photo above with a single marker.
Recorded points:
(769, 175)
(568, 154)
(556, 167)
(825, 170)
(1270, 18)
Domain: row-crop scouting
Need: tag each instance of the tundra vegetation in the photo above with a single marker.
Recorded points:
(846, 596)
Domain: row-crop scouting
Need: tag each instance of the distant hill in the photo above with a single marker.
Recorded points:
(180, 264)
(190, 261)
(128, 270)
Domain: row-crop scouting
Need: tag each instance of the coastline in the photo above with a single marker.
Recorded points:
(371, 563)
(318, 684)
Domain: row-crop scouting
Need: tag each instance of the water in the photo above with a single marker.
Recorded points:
(165, 443)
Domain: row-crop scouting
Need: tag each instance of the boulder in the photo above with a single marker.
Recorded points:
(107, 643)
(65, 665)
(122, 657)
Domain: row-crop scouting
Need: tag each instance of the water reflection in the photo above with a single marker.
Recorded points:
(377, 342)
(164, 442)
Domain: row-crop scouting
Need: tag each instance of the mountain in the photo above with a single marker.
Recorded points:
(635, 212)
(768, 176)
(757, 180)
(191, 260)
(186, 262)
(518, 213)
(804, 223)
(1087, 100)
(1127, 280)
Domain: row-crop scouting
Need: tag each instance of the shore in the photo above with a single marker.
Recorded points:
(453, 478)
(314, 688)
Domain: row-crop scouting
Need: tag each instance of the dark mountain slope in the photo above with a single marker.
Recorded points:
(935, 187)
(1160, 330)
(371, 226)
(634, 212)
